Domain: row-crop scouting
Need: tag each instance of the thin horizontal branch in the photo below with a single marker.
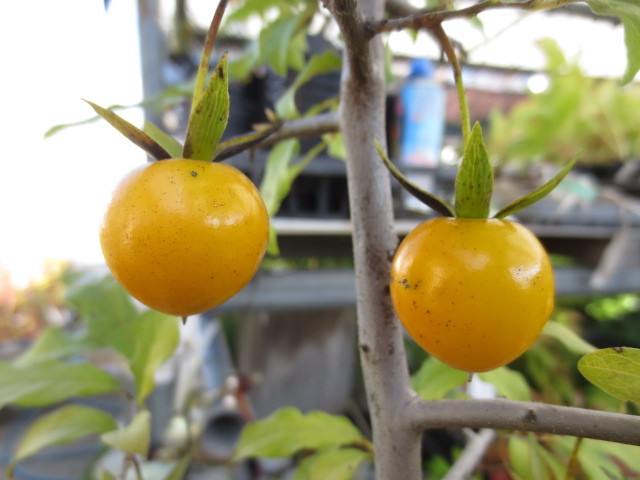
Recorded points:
(427, 19)
(303, 128)
(472, 454)
(503, 414)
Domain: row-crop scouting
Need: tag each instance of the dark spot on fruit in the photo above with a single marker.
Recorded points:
(194, 174)
(618, 349)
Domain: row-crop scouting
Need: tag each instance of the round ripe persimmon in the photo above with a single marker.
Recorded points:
(183, 236)
(474, 293)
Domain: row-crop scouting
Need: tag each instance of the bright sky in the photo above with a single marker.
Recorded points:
(52, 192)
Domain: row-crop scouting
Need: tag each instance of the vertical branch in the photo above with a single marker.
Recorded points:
(361, 117)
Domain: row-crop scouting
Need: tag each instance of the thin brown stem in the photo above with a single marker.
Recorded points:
(205, 59)
(450, 52)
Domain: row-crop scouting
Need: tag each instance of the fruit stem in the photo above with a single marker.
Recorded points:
(205, 59)
(450, 52)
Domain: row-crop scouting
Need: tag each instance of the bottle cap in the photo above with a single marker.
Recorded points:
(421, 68)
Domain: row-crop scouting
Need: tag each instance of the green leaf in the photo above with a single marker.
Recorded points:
(474, 181)
(276, 182)
(279, 176)
(614, 370)
(107, 475)
(243, 66)
(209, 117)
(334, 464)
(288, 431)
(48, 383)
(319, 64)
(64, 425)
(133, 133)
(106, 308)
(275, 40)
(156, 337)
(335, 145)
(180, 468)
(629, 13)
(166, 141)
(429, 199)
(434, 379)
(567, 337)
(52, 344)
(134, 438)
(536, 195)
(508, 383)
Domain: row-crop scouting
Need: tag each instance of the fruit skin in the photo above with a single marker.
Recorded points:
(183, 236)
(474, 293)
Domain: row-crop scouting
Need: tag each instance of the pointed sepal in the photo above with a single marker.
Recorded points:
(429, 199)
(208, 119)
(474, 180)
(133, 133)
(536, 195)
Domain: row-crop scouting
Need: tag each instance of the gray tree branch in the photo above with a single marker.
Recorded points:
(504, 414)
(382, 355)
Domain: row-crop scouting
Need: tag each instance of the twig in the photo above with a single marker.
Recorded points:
(501, 414)
(573, 460)
(303, 128)
(471, 456)
(427, 19)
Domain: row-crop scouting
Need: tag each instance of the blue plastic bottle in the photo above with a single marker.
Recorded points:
(422, 103)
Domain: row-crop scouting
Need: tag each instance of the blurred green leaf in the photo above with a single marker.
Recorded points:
(180, 468)
(474, 181)
(106, 475)
(322, 63)
(156, 338)
(333, 464)
(133, 438)
(567, 337)
(434, 380)
(48, 383)
(275, 39)
(279, 175)
(242, 67)
(614, 370)
(53, 344)
(106, 308)
(209, 117)
(64, 425)
(629, 13)
(288, 431)
(166, 141)
(509, 383)
(275, 183)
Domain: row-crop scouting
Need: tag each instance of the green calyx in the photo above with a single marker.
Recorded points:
(474, 184)
(208, 118)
